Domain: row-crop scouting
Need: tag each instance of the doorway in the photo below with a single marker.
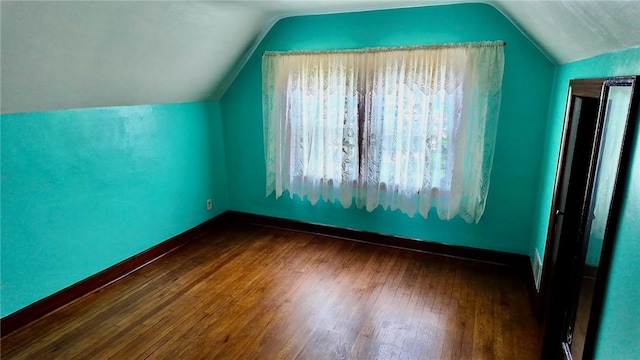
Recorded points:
(585, 207)
(568, 203)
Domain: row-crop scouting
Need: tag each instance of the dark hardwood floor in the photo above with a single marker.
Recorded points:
(250, 292)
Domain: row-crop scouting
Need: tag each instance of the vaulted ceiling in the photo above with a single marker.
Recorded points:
(72, 54)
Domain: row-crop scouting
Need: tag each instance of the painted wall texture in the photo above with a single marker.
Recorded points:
(619, 63)
(507, 223)
(619, 334)
(84, 189)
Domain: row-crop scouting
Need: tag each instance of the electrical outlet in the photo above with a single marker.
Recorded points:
(209, 204)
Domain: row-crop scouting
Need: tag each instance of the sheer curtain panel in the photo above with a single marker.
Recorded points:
(401, 128)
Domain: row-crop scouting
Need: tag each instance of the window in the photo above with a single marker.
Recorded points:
(402, 128)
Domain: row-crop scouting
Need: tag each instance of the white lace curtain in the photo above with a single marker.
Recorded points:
(401, 128)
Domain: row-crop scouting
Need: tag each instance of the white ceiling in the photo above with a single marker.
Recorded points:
(60, 55)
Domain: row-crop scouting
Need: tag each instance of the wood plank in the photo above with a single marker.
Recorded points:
(424, 245)
(39, 309)
(255, 292)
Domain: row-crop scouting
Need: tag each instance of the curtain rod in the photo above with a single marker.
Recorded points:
(387, 49)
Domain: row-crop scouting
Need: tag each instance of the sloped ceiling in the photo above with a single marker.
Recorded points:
(61, 55)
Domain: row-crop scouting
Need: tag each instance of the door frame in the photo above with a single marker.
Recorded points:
(560, 262)
(586, 88)
(548, 298)
(615, 209)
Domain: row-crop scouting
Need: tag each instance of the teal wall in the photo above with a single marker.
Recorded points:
(84, 189)
(619, 336)
(625, 62)
(507, 223)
